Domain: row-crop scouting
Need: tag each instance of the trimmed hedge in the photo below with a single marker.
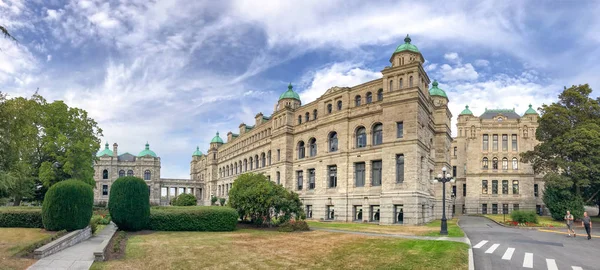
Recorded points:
(21, 217)
(129, 203)
(294, 225)
(68, 206)
(198, 218)
(184, 200)
(524, 216)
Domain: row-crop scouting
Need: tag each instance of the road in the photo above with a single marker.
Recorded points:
(498, 247)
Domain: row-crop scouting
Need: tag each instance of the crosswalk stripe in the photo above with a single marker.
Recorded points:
(551, 263)
(528, 260)
(492, 248)
(480, 244)
(508, 254)
(576, 268)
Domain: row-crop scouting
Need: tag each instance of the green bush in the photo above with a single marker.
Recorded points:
(559, 201)
(222, 201)
(68, 206)
(94, 223)
(129, 203)
(524, 216)
(294, 225)
(198, 218)
(213, 200)
(23, 217)
(184, 200)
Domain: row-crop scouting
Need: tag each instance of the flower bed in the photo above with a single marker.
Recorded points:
(527, 224)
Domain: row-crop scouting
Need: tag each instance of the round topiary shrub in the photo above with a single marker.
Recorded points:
(185, 200)
(68, 206)
(129, 203)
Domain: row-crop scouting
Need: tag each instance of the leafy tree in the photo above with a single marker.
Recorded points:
(260, 200)
(559, 201)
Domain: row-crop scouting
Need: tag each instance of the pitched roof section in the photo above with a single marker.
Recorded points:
(509, 113)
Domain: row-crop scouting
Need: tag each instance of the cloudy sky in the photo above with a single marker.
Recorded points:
(174, 72)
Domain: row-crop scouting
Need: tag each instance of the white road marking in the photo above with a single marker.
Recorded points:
(551, 264)
(576, 268)
(492, 248)
(528, 260)
(508, 254)
(480, 244)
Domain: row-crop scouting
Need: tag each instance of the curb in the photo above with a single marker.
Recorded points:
(471, 260)
(516, 227)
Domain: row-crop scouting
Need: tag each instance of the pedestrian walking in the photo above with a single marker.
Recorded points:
(586, 222)
(569, 220)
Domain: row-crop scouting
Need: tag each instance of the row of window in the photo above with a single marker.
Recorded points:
(105, 190)
(484, 187)
(147, 174)
(495, 142)
(357, 213)
(223, 190)
(484, 208)
(401, 82)
(254, 162)
(359, 174)
(357, 102)
(485, 163)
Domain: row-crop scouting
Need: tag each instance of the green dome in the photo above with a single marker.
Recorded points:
(216, 139)
(530, 110)
(197, 152)
(435, 91)
(407, 46)
(290, 94)
(104, 152)
(147, 152)
(466, 111)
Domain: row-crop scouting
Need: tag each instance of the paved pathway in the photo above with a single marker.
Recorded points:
(79, 256)
(416, 237)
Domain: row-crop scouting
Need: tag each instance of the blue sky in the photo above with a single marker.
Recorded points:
(174, 72)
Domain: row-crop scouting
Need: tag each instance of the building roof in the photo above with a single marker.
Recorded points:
(105, 152)
(126, 157)
(509, 113)
(290, 93)
(530, 110)
(466, 111)
(435, 91)
(407, 46)
(216, 139)
(197, 152)
(147, 152)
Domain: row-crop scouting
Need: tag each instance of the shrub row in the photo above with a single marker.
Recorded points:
(22, 218)
(199, 218)
(524, 216)
(294, 225)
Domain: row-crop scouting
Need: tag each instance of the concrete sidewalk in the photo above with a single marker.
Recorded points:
(79, 256)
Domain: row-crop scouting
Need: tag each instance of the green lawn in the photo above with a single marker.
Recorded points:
(256, 249)
(430, 229)
(543, 221)
(13, 240)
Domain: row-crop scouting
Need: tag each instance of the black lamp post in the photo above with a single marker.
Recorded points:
(444, 178)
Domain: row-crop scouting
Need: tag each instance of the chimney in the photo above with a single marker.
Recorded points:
(115, 149)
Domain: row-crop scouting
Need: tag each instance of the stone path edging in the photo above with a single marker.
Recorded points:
(471, 260)
(63, 242)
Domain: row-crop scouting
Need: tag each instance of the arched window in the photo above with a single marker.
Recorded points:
(105, 174)
(357, 101)
(245, 165)
(269, 157)
(312, 144)
(147, 175)
(299, 119)
(391, 85)
(505, 163)
(333, 141)
(339, 105)
(227, 170)
(515, 162)
(264, 160)
(484, 163)
(235, 164)
(369, 97)
(377, 134)
(361, 137)
(257, 162)
(315, 115)
(307, 117)
(400, 83)
(329, 108)
(220, 172)
(380, 95)
(251, 163)
(240, 164)
(495, 163)
(231, 169)
(121, 173)
(301, 149)
(410, 81)
(130, 173)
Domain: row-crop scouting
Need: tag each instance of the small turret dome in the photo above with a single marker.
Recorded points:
(290, 94)
(105, 152)
(197, 153)
(216, 139)
(147, 152)
(407, 46)
(435, 91)
(530, 110)
(466, 111)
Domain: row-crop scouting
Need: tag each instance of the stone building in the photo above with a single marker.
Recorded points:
(490, 177)
(363, 153)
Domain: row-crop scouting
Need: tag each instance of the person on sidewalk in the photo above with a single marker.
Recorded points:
(569, 220)
(586, 222)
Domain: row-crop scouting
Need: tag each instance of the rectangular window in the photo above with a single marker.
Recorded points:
(375, 213)
(278, 154)
(484, 208)
(311, 178)
(399, 214)
(486, 142)
(535, 190)
(515, 186)
(376, 173)
(494, 208)
(504, 186)
(278, 178)
(332, 176)
(514, 142)
(104, 190)
(464, 190)
(358, 213)
(494, 186)
(399, 129)
(455, 149)
(516, 207)
(453, 191)
(309, 211)
(504, 142)
(359, 174)
(484, 187)
(299, 173)
(505, 208)
(399, 168)
(495, 142)
(453, 171)
(330, 212)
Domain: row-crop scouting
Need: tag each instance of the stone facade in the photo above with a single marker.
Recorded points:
(490, 176)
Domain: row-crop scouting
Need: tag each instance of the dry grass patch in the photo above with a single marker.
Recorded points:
(431, 229)
(256, 249)
(13, 240)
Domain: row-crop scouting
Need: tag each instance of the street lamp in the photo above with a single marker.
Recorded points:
(444, 178)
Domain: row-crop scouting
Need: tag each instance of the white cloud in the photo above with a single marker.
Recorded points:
(16, 63)
(430, 67)
(49, 58)
(481, 63)
(452, 57)
(458, 72)
(53, 14)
